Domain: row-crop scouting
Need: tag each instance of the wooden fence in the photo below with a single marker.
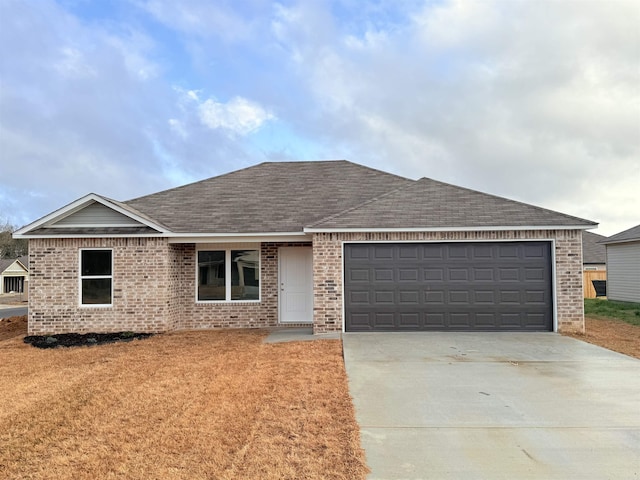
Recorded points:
(587, 286)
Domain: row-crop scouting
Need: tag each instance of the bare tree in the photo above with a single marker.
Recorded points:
(11, 247)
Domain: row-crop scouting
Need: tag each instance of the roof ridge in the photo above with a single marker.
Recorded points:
(233, 172)
(366, 202)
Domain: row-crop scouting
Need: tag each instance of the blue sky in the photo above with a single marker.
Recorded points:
(538, 101)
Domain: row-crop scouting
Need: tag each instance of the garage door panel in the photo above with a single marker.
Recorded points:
(532, 274)
(409, 297)
(484, 297)
(483, 274)
(444, 286)
(458, 296)
(383, 320)
(359, 297)
(507, 251)
(483, 252)
(433, 274)
(460, 319)
(536, 297)
(533, 251)
(358, 252)
(384, 298)
(361, 321)
(409, 320)
(458, 274)
(383, 252)
(508, 274)
(434, 297)
(359, 275)
(510, 319)
(408, 274)
(383, 275)
(434, 320)
(485, 320)
(408, 252)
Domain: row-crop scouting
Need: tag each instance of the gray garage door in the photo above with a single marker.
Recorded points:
(492, 286)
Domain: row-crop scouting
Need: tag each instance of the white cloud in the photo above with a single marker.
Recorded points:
(238, 116)
(538, 101)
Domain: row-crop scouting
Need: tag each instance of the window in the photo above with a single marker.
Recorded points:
(228, 275)
(96, 277)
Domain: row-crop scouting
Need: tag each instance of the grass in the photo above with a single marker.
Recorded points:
(184, 405)
(607, 309)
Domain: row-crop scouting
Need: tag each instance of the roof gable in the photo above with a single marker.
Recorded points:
(429, 204)
(12, 265)
(269, 197)
(91, 215)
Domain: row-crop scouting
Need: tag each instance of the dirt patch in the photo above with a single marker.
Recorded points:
(13, 327)
(182, 405)
(612, 334)
(82, 340)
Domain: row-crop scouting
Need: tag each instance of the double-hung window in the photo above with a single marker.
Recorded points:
(228, 275)
(96, 277)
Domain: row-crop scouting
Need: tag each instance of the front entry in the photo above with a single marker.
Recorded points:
(295, 285)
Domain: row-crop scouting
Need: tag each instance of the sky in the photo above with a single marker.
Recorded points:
(534, 100)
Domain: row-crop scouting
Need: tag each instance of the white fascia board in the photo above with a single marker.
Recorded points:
(62, 235)
(239, 237)
(444, 229)
(75, 206)
(617, 242)
(193, 237)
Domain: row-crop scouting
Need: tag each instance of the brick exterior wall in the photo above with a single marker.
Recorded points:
(327, 270)
(154, 286)
(155, 283)
(140, 286)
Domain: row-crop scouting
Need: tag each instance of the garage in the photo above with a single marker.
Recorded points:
(448, 286)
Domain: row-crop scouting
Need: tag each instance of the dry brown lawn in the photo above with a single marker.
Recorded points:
(185, 405)
(612, 334)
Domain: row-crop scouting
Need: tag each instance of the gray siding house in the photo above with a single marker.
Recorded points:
(623, 265)
(329, 244)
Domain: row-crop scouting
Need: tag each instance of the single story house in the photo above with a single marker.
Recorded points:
(14, 274)
(623, 265)
(332, 244)
(594, 262)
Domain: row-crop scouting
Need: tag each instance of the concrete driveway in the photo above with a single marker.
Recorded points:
(494, 406)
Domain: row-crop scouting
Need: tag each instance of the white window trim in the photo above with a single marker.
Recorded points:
(227, 273)
(95, 277)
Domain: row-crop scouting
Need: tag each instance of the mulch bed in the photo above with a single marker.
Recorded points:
(82, 340)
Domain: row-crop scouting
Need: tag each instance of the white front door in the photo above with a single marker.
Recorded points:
(296, 285)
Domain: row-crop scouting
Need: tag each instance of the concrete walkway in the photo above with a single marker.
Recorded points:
(494, 406)
(297, 334)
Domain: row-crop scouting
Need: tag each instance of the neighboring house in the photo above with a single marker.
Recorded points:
(14, 273)
(594, 261)
(623, 265)
(593, 252)
(331, 244)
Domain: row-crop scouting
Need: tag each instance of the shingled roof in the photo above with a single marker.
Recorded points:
(279, 198)
(269, 197)
(630, 235)
(593, 252)
(427, 203)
